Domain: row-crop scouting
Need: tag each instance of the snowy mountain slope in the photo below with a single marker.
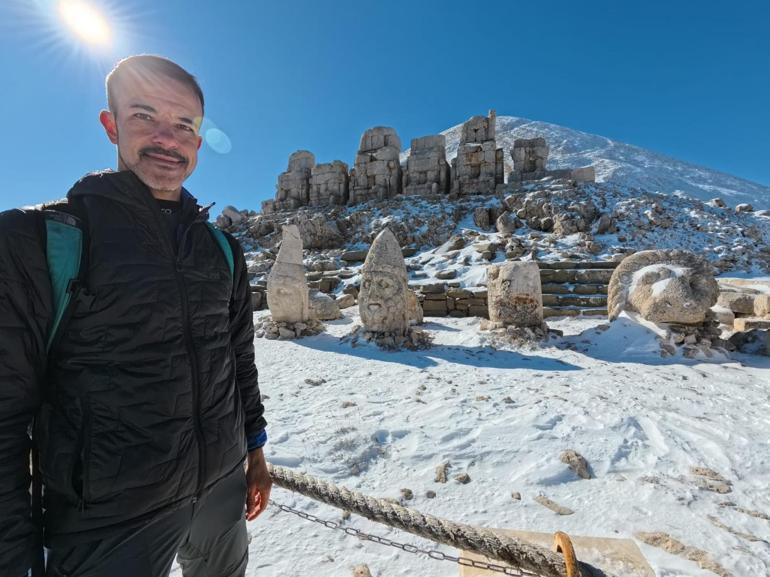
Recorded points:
(620, 163)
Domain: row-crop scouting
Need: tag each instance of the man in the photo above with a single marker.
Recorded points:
(147, 404)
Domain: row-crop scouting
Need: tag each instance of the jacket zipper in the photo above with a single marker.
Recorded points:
(179, 276)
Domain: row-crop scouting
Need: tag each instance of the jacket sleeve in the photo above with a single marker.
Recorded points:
(25, 314)
(242, 340)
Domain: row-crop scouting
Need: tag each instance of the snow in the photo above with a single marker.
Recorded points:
(503, 415)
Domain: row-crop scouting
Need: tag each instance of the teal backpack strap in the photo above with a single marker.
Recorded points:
(65, 243)
(223, 243)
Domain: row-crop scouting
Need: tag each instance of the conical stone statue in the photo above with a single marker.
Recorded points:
(382, 300)
(287, 291)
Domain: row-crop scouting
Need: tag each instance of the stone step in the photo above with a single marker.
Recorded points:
(595, 301)
(578, 276)
(579, 289)
(574, 264)
(573, 312)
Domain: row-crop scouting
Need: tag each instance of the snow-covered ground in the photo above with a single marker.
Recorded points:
(378, 422)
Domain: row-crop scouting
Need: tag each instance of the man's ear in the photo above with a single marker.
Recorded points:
(107, 119)
(200, 141)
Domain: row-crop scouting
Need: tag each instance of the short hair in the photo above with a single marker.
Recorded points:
(149, 64)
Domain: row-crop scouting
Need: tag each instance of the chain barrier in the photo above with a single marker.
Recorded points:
(432, 553)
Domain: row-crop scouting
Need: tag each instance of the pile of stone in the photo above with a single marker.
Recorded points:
(743, 305)
(479, 166)
(530, 157)
(377, 171)
(267, 328)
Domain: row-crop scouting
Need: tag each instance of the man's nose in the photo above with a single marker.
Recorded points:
(164, 135)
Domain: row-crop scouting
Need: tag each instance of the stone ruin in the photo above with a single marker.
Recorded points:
(515, 300)
(478, 167)
(427, 170)
(674, 289)
(530, 156)
(293, 187)
(377, 171)
(288, 296)
(329, 184)
(383, 298)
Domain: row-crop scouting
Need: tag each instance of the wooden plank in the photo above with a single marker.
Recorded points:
(620, 557)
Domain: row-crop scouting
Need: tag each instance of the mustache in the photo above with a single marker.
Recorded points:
(159, 150)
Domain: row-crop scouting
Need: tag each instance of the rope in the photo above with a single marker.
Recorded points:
(460, 536)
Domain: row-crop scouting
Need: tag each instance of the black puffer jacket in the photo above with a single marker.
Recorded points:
(152, 389)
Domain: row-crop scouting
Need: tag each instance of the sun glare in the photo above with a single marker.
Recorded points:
(85, 21)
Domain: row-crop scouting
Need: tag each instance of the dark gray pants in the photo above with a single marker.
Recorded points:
(209, 537)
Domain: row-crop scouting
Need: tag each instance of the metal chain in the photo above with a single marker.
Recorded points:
(432, 553)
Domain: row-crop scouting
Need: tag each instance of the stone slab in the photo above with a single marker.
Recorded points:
(743, 324)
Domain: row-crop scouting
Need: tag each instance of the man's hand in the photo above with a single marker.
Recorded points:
(258, 484)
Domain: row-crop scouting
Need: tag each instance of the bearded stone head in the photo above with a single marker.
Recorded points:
(663, 286)
(514, 294)
(287, 291)
(382, 298)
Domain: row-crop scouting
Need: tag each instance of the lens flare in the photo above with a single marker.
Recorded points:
(85, 21)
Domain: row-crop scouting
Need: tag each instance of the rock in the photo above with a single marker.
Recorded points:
(737, 302)
(446, 274)
(529, 158)
(576, 463)
(507, 223)
(441, 473)
(762, 305)
(323, 307)
(724, 315)
(427, 170)
(319, 233)
(456, 242)
(516, 496)
(414, 308)
(328, 184)
(376, 174)
(286, 333)
(233, 214)
(553, 506)
(515, 294)
(663, 286)
(287, 293)
(748, 323)
(430, 494)
(383, 300)
(345, 301)
(670, 545)
(603, 224)
(463, 478)
(481, 217)
(361, 571)
(752, 342)
(348, 404)
(293, 187)
(354, 255)
(407, 494)
(478, 167)
(744, 207)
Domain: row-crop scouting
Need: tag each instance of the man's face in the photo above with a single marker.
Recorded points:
(155, 127)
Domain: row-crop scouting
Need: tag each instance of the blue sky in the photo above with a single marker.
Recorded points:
(691, 80)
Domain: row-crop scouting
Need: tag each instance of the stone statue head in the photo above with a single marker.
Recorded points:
(382, 299)
(287, 291)
(663, 286)
(514, 294)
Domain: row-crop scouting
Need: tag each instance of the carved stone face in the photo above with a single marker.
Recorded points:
(514, 294)
(382, 302)
(288, 298)
(668, 293)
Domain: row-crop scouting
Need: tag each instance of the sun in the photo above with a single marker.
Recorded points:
(85, 21)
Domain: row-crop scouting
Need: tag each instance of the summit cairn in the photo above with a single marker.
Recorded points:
(383, 299)
(427, 171)
(478, 167)
(288, 297)
(377, 171)
(674, 289)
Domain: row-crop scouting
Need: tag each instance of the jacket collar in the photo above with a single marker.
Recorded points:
(125, 187)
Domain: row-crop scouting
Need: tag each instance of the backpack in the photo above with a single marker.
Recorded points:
(66, 248)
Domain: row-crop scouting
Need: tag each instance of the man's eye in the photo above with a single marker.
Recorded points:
(142, 116)
(185, 127)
